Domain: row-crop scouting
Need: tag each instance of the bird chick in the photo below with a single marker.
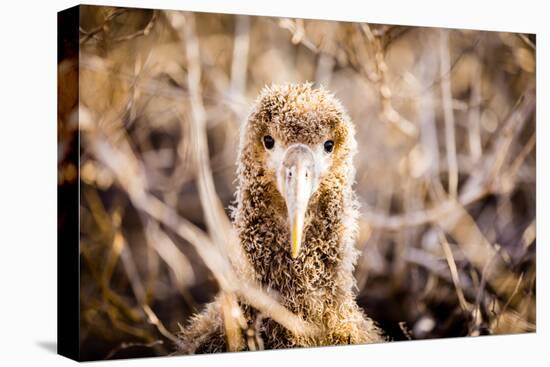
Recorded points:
(296, 218)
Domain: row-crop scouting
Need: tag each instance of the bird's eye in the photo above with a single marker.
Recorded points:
(269, 142)
(329, 146)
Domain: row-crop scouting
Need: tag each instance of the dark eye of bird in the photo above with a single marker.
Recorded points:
(269, 142)
(329, 146)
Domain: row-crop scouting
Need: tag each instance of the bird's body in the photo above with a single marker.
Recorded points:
(296, 217)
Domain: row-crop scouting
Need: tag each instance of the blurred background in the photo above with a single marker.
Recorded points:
(446, 173)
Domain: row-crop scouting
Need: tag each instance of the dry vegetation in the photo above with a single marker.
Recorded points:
(446, 169)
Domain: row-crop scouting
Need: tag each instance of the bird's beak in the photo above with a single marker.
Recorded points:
(296, 182)
(297, 211)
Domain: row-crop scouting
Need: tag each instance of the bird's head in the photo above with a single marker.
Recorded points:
(298, 139)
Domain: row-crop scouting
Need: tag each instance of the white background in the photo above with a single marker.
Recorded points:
(28, 182)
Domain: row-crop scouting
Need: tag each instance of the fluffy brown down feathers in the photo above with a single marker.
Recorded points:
(318, 285)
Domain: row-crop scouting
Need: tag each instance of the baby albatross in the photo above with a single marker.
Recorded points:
(296, 218)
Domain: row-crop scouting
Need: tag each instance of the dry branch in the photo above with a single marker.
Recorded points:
(450, 140)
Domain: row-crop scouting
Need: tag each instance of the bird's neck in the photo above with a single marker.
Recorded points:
(322, 273)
